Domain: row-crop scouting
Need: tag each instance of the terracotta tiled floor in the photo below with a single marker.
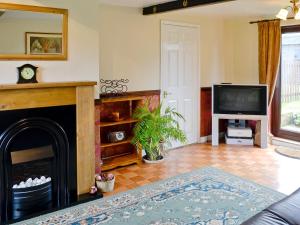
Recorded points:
(263, 166)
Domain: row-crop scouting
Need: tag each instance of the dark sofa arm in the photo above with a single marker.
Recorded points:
(284, 212)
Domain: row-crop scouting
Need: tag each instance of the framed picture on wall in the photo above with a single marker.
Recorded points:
(43, 43)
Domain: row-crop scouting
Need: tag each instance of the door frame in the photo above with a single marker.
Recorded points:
(276, 102)
(198, 103)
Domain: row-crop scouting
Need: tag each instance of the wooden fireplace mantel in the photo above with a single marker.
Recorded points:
(46, 85)
(81, 94)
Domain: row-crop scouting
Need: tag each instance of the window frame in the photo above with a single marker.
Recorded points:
(276, 102)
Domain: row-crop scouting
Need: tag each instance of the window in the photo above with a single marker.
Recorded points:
(286, 102)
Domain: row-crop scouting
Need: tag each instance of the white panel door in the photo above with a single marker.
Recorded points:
(180, 75)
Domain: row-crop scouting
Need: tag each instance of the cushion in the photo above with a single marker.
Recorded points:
(288, 208)
(265, 218)
(284, 212)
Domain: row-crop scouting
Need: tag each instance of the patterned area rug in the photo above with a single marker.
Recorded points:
(206, 196)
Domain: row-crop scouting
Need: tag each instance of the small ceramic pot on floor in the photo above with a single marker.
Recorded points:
(105, 182)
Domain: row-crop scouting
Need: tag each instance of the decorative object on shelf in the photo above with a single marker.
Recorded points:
(155, 129)
(284, 12)
(105, 182)
(117, 136)
(115, 117)
(93, 190)
(43, 43)
(113, 87)
(27, 74)
(185, 3)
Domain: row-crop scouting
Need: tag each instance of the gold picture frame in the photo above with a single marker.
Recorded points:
(40, 9)
(43, 43)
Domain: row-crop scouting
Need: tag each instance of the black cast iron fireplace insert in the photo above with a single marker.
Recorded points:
(36, 144)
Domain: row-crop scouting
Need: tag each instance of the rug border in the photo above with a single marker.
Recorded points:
(203, 169)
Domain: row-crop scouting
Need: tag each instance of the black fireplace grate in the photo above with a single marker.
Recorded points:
(26, 200)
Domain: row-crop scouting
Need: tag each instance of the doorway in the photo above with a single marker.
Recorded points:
(286, 102)
(180, 86)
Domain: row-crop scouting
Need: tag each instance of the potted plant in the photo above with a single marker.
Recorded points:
(156, 128)
(105, 182)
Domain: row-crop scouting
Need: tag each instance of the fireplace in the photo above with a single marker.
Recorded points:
(38, 160)
(45, 128)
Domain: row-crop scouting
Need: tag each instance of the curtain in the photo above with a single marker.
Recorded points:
(269, 41)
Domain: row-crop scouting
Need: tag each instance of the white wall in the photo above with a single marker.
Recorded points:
(130, 46)
(241, 52)
(83, 61)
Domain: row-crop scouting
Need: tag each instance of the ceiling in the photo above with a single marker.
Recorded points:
(261, 8)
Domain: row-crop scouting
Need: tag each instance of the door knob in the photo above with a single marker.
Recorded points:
(166, 94)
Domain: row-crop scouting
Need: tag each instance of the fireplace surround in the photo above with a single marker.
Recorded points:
(46, 131)
(37, 143)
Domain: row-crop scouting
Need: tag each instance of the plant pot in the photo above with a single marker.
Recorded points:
(153, 161)
(106, 186)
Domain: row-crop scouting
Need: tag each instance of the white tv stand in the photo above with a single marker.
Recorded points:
(263, 129)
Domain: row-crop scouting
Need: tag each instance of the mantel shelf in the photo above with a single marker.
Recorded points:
(46, 85)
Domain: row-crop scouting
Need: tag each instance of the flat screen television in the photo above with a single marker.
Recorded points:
(240, 99)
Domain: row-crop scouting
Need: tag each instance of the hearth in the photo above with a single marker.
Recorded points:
(37, 161)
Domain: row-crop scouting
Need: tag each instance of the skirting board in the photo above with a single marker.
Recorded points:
(284, 142)
(208, 138)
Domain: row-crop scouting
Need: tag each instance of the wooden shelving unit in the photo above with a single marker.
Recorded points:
(121, 153)
(120, 160)
(106, 145)
(108, 124)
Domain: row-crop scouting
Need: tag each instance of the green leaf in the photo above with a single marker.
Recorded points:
(155, 127)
